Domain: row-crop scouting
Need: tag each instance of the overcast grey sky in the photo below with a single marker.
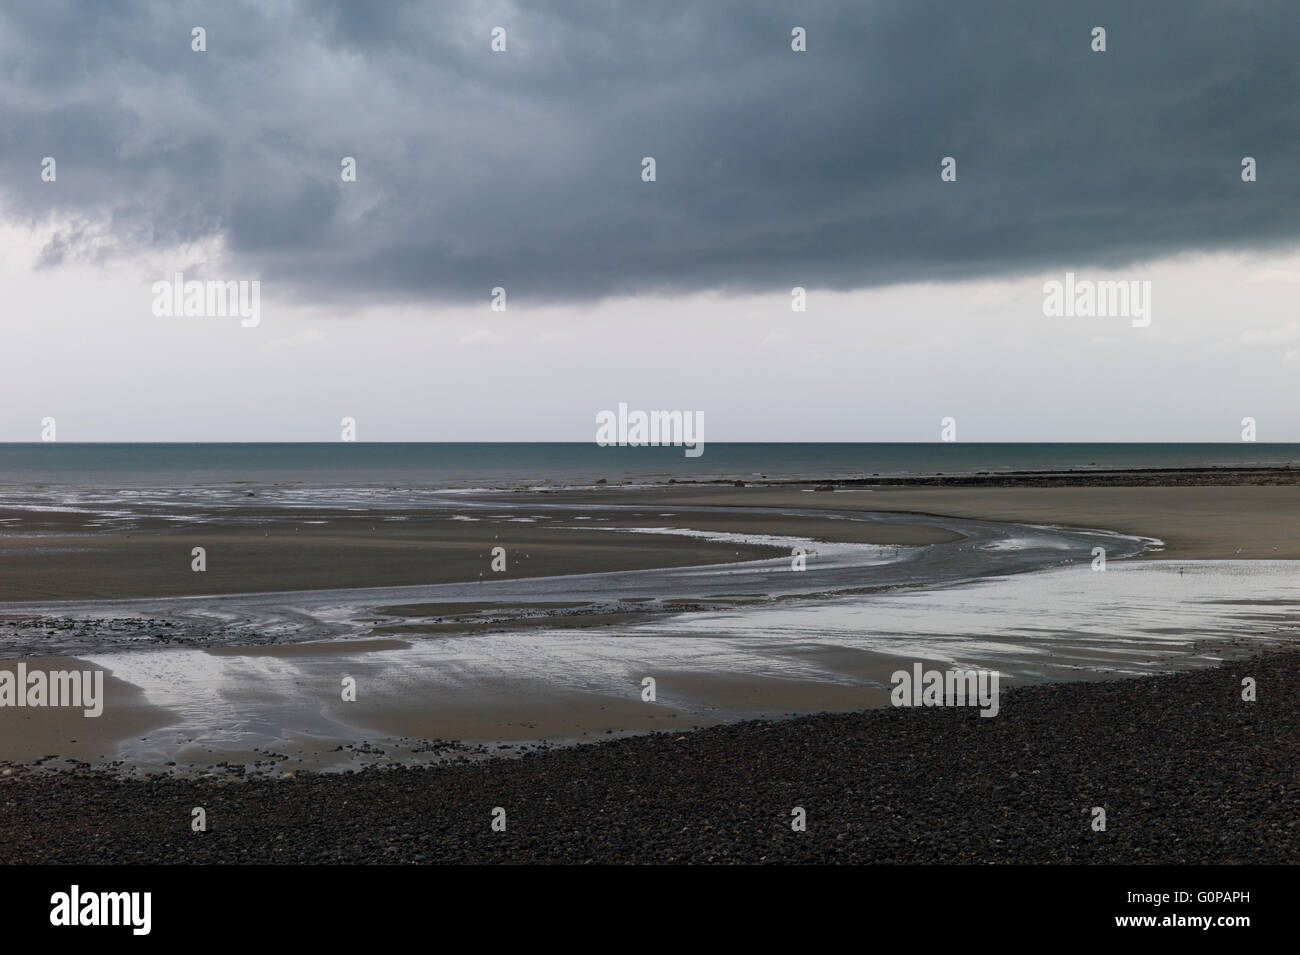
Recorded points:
(775, 168)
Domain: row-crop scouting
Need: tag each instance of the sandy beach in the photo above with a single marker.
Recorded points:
(1196, 520)
(444, 673)
(305, 549)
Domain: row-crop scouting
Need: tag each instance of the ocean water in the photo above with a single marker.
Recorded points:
(472, 465)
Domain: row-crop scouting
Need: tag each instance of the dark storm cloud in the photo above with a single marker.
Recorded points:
(775, 168)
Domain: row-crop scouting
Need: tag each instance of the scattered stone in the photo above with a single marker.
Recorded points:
(1187, 772)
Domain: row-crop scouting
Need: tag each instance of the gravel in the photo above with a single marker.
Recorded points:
(1185, 770)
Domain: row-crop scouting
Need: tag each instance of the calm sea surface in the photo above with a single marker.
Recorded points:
(451, 465)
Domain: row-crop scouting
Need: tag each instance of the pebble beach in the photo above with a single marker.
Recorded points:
(1186, 771)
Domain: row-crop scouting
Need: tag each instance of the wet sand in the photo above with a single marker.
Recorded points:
(64, 559)
(33, 733)
(68, 559)
(1196, 522)
(286, 551)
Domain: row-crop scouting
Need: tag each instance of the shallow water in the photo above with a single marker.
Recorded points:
(1064, 623)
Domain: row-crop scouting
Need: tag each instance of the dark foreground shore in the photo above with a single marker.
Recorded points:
(1186, 771)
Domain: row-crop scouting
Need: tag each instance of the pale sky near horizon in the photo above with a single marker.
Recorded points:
(774, 169)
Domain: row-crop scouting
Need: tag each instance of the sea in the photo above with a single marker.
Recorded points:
(514, 465)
